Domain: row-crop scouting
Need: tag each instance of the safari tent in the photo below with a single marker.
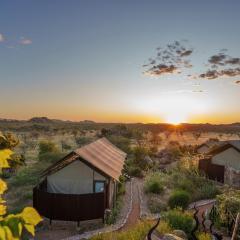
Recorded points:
(82, 184)
(222, 163)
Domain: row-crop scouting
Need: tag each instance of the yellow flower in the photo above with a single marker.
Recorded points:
(3, 210)
(30, 216)
(4, 156)
(30, 228)
(3, 186)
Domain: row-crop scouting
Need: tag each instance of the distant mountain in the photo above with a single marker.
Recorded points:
(48, 120)
(40, 120)
(237, 124)
(88, 122)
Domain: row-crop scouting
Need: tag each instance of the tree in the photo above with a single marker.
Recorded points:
(14, 226)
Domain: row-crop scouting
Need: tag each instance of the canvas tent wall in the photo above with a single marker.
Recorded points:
(228, 158)
(75, 178)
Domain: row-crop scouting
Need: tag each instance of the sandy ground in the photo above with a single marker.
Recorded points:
(61, 229)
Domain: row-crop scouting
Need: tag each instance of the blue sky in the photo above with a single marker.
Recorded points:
(83, 59)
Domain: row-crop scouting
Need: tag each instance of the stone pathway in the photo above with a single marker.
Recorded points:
(135, 212)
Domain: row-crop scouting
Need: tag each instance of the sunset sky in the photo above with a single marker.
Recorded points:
(76, 60)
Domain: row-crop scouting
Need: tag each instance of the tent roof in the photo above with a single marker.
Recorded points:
(223, 145)
(100, 154)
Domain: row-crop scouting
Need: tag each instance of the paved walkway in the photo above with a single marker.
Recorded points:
(135, 213)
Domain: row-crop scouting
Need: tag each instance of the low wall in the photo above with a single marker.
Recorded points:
(69, 207)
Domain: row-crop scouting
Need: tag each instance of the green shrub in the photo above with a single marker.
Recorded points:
(153, 184)
(121, 188)
(26, 176)
(185, 184)
(208, 190)
(111, 219)
(179, 198)
(135, 171)
(178, 219)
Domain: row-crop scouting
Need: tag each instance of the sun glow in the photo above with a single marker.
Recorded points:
(173, 109)
(176, 119)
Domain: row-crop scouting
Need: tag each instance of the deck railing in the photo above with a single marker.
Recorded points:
(69, 207)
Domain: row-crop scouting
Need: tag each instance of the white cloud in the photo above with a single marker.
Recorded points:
(25, 41)
(2, 38)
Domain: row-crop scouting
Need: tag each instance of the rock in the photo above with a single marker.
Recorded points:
(180, 234)
(171, 237)
(148, 159)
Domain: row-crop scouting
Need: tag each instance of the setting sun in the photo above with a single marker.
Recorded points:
(176, 119)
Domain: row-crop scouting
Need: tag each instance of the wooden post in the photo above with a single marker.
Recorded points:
(236, 226)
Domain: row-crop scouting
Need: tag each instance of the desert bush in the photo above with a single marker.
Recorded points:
(121, 142)
(47, 147)
(66, 146)
(204, 236)
(50, 156)
(134, 171)
(178, 219)
(229, 201)
(164, 228)
(156, 205)
(80, 141)
(111, 219)
(207, 191)
(140, 153)
(121, 188)
(193, 182)
(153, 184)
(138, 232)
(49, 152)
(179, 198)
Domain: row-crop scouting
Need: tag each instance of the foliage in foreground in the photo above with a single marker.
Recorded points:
(138, 232)
(13, 226)
(231, 201)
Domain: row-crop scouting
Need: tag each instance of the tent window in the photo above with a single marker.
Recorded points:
(99, 186)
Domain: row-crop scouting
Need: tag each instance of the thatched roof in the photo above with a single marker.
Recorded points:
(101, 154)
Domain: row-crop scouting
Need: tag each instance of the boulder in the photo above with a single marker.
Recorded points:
(171, 237)
(180, 234)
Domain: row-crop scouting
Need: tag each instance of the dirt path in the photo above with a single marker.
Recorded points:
(135, 213)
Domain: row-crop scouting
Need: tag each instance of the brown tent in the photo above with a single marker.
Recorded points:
(81, 185)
